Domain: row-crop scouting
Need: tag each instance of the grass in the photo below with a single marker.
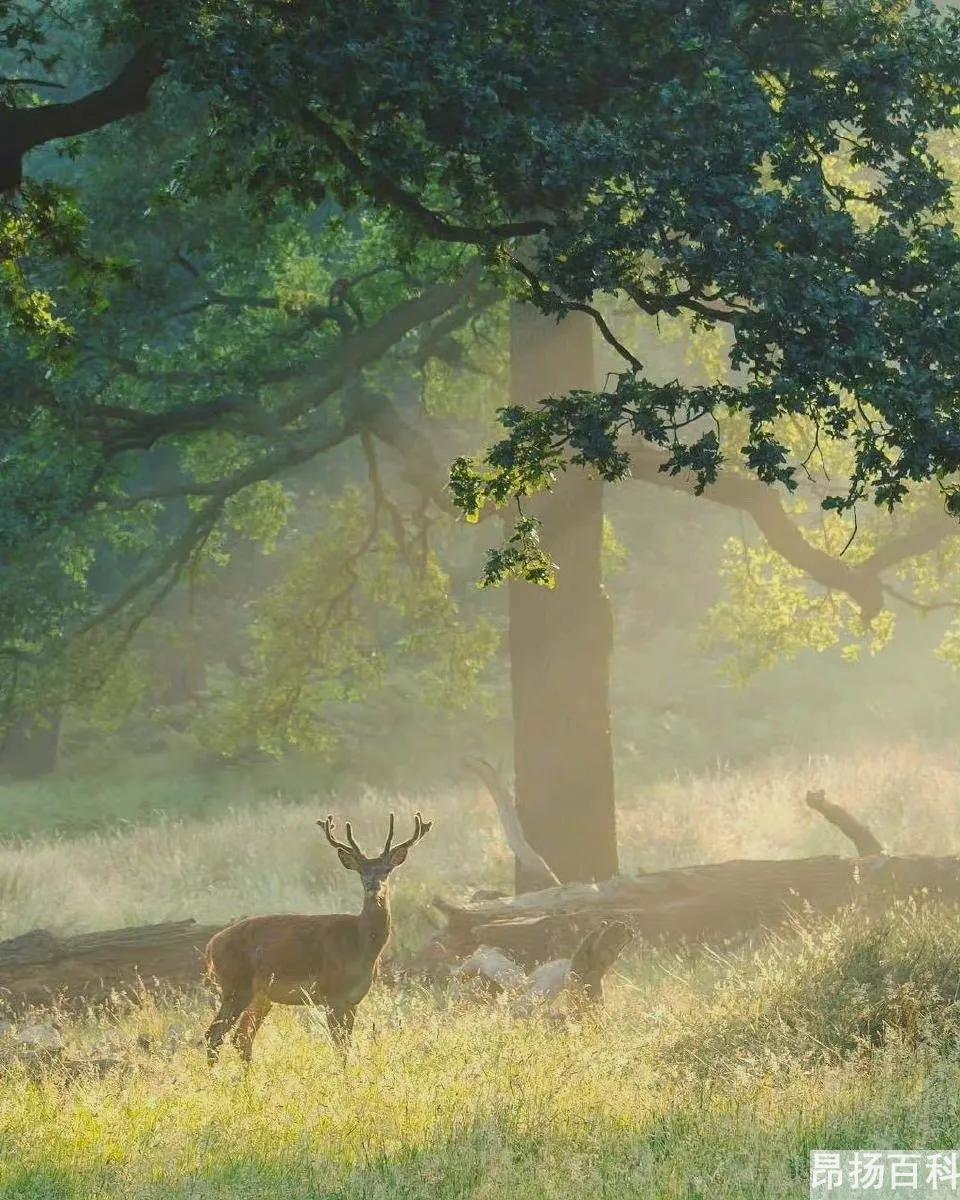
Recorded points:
(906, 786)
(272, 859)
(690, 1084)
(142, 790)
(266, 856)
(711, 1076)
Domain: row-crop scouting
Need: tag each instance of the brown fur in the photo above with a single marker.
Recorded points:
(328, 960)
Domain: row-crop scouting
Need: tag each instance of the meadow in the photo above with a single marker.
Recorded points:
(705, 1076)
(216, 847)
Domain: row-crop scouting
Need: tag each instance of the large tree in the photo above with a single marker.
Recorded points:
(561, 638)
(682, 158)
(765, 167)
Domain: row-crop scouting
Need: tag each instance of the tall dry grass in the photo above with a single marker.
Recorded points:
(710, 1080)
(271, 857)
(908, 792)
(707, 1077)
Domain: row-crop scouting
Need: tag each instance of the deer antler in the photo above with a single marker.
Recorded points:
(327, 827)
(420, 829)
(386, 845)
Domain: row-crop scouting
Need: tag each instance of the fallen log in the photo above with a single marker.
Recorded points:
(710, 903)
(39, 968)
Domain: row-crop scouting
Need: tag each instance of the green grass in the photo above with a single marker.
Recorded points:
(140, 791)
(690, 1084)
(709, 1076)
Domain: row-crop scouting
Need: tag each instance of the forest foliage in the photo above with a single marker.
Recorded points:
(271, 241)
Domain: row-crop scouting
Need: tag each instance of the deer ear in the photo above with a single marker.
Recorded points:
(349, 860)
(397, 856)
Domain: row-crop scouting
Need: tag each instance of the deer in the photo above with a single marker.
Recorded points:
(329, 960)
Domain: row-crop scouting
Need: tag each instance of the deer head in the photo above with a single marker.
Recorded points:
(374, 871)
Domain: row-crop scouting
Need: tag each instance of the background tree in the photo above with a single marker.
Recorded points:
(165, 427)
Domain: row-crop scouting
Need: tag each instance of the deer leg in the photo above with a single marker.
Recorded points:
(232, 1004)
(340, 1024)
(250, 1021)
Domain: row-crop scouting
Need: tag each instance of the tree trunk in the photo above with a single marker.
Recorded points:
(31, 747)
(561, 639)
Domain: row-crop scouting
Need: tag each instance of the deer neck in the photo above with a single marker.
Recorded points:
(375, 919)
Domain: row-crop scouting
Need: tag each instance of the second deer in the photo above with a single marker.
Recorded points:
(328, 960)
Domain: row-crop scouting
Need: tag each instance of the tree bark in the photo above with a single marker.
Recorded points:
(561, 639)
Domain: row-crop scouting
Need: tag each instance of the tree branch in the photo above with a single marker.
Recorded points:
(509, 819)
(552, 301)
(170, 564)
(862, 582)
(382, 188)
(354, 353)
(320, 378)
(422, 470)
(22, 129)
(926, 606)
(923, 535)
(762, 503)
(866, 843)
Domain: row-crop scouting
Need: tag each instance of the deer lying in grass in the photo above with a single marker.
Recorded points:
(328, 960)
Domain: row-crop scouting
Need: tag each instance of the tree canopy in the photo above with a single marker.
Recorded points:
(772, 169)
(669, 152)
